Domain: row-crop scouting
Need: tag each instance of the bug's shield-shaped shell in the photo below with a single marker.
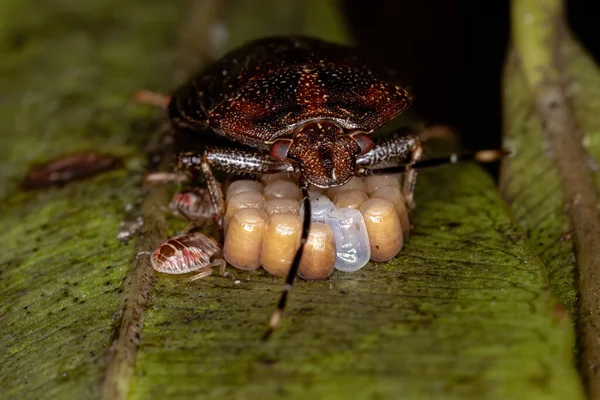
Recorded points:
(273, 105)
(184, 253)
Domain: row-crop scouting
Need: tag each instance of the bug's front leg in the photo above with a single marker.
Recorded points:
(408, 148)
(151, 98)
(233, 161)
(406, 153)
(193, 163)
(206, 271)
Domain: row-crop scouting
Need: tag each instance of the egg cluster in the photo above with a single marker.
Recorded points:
(361, 220)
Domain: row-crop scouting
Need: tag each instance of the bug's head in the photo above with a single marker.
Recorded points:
(325, 153)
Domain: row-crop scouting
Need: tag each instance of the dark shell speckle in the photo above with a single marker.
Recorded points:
(266, 89)
(273, 105)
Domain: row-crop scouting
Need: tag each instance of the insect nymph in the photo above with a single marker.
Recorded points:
(292, 104)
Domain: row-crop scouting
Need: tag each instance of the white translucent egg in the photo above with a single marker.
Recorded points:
(353, 249)
(320, 206)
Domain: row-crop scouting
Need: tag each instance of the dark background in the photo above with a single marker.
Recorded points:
(451, 53)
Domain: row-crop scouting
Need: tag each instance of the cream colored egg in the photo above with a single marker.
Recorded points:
(394, 194)
(243, 185)
(281, 189)
(383, 227)
(318, 257)
(354, 183)
(243, 241)
(374, 182)
(280, 243)
(282, 206)
(240, 201)
(280, 176)
(351, 198)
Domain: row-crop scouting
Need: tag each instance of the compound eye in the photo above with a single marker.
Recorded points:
(280, 148)
(364, 141)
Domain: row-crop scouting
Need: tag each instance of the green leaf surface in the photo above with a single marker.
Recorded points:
(530, 179)
(67, 71)
(551, 105)
(530, 183)
(462, 313)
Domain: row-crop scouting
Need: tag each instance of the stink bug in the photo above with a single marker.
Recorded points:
(193, 204)
(293, 104)
(186, 253)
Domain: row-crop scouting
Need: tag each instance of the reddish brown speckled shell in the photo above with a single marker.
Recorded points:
(273, 105)
(184, 253)
(264, 90)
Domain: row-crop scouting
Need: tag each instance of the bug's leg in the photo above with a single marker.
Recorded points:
(385, 150)
(208, 270)
(215, 190)
(410, 176)
(143, 253)
(388, 149)
(245, 162)
(233, 161)
(201, 273)
(441, 133)
(406, 152)
(151, 98)
(222, 265)
(164, 177)
(275, 319)
(195, 162)
(480, 156)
